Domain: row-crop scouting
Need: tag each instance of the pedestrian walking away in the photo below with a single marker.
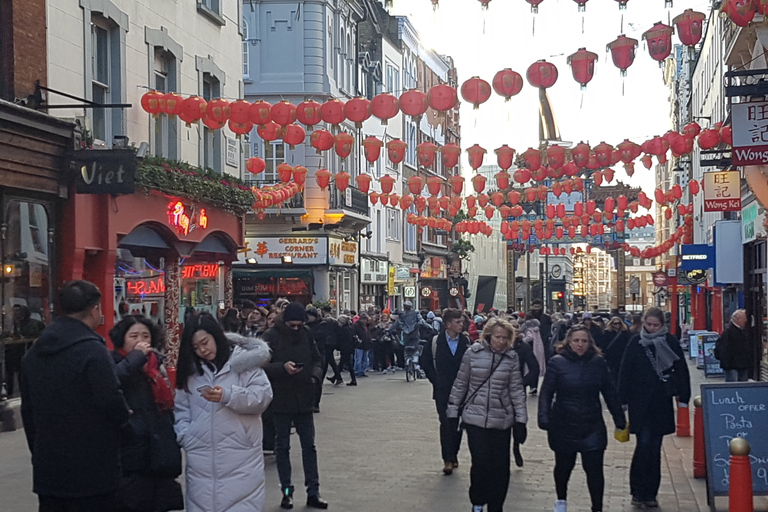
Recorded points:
(572, 414)
(653, 372)
(734, 350)
(73, 409)
(529, 369)
(221, 393)
(441, 361)
(489, 398)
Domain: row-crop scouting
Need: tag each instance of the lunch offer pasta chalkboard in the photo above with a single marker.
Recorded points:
(738, 409)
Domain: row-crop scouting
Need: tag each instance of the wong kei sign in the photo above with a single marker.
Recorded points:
(750, 133)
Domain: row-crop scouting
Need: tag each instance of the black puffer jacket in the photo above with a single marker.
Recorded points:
(614, 352)
(569, 402)
(292, 393)
(733, 349)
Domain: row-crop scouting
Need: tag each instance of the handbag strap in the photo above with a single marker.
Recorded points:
(477, 390)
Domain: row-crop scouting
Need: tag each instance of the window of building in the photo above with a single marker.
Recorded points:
(378, 231)
(211, 9)
(166, 128)
(342, 52)
(350, 63)
(410, 139)
(393, 79)
(211, 138)
(105, 73)
(246, 50)
(274, 155)
(393, 224)
(411, 234)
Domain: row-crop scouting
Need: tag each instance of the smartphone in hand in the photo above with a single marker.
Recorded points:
(203, 389)
(298, 365)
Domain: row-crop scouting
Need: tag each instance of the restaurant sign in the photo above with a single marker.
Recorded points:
(722, 191)
(342, 253)
(105, 171)
(271, 250)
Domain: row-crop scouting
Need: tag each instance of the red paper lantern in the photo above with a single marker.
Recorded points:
(689, 26)
(497, 198)
(387, 183)
(476, 154)
(153, 102)
(691, 130)
(555, 156)
(239, 112)
(580, 154)
(308, 113)
(421, 203)
(708, 139)
(426, 153)
(363, 182)
(415, 184)
(482, 200)
(608, 174)
(332, 111)
(341, 179)
(741, 12)
(173, 104)
(396, 150)
(507, 83)
(344, 143)
(406, 202)
(434, 185)
(502, 179)
(693, 186)
(476, 91)
(414, 103)
(284, 172)
(628, 151)
(218, 110)
(284, 113)
(478, 183)
(471, 201)
(532, 158)
(294, 135)
(193, 109)
(372, 148)
(374, 197)
(539, 174)
(300, 175)
(457, 185)
(623, 52)
(442, 97)
(269, 132)
(385, 106)
(582, 65)
(659, 38)
(394, 199)
(358, 110)
(542, 74)
(450, 155)
(726, 135)
(505, 156)
(603, 154)
(522, 176)
(241, 128)
(444, 202)
(212, 124)
(260, 112)
(255, 165)
(322, 140)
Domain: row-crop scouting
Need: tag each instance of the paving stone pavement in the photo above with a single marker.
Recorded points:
(379, 452)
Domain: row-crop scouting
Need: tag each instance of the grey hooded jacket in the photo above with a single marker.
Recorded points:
(497, 402)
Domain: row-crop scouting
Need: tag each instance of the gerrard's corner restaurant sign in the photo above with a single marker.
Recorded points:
(722, 191)
(270, 250)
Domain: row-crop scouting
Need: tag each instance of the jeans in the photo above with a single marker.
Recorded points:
(489, 475)
(645, 471)
(305, 428)
(736, 375)
(450, 434)
(101, 503)
(361, 361)
(592, 462)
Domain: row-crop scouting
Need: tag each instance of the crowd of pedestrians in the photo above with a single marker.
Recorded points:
(107, 431)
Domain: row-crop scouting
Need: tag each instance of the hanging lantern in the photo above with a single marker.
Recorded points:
(482, 200)
(332, 112)
(726, 135)
(603, 154)
(580, 154)
(385, 106)
(484, 3)
(489, 212)
(507, 83)
(173, 104)
(374, 197)
(450, 155)
(255, 165)
(691, 130)
(406, 202)
(504, 157)
(153, 102)
(532, 158)
(284, 113)
(502, 180)
(539, 174)
(384, 199)
(530, 194)
(693, 186)
(555, 156)
(193, 109)
(363, 182)
(623, 52)
(457, 184)
(260, 113)
(689, 26)
(476, 154)
(396, 150)
(218, 110)
(308, 113)
(284, 172)
(358, 110)
(560, 210)
(442, 97)
(294, 135)
(659, 38)
(628, 151)
(239, 112)
(387, 183)
(582, 66)
(269, 132)
(322, 140)
(421, 203)
(426, 153)
(414, 103)
(300, 175)
(372, 148)
(557, 189)
(476, 91)
(344, 143)
(708, 139)
(741, 12)
(542, 74)
(444, 202)
(415, 184)
(598, 178)
(522, 176)
(434, 185)
(394, 199)
(240, 128)
(478, 183)
(341, 179)
(497, 198)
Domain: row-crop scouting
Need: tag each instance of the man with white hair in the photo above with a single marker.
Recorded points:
(733, 349)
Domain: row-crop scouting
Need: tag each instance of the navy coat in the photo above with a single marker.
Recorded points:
(441, 368)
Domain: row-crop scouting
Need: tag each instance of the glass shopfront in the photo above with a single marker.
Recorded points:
(264, 287)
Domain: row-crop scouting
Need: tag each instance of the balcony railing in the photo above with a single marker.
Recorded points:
(296, 202)
(351, 199)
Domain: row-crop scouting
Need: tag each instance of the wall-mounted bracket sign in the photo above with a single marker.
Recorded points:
(105, 171)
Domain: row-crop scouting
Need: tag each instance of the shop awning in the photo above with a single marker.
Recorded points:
(212, 244)
(270, 272)
(143, 237)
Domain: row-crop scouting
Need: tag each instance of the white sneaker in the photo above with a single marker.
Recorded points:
(384, 371)
(561, 506)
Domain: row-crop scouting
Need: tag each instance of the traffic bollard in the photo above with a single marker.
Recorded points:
(699, 457)
(740, 480)
(683, 421)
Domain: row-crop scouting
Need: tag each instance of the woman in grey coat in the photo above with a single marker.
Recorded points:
(489, 398)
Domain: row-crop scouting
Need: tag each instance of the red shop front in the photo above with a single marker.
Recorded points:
(151, 254)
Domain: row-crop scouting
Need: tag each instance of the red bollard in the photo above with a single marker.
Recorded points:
(740, 480)
(699, 457)
(683, 421)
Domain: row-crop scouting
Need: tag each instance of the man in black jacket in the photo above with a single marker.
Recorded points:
(441, 369)
(72, 408)
(545, 324)
(734, 350)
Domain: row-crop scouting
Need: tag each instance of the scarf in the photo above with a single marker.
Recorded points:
(664, 357)
(161, 391)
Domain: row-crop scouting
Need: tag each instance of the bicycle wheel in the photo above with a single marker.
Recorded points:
(410, 372)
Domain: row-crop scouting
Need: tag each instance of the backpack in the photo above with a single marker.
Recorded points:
(426, 331)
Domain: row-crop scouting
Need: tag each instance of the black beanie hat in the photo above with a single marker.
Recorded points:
(294, 311)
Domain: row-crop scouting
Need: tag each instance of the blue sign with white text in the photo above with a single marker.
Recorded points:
(697, 257)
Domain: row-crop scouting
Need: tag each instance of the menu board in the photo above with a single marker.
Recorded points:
(738, 409)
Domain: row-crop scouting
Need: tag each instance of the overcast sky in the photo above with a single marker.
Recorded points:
(484, 42)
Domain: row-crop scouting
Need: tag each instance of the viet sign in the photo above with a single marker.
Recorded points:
(722, 191)
(750, 133)
(105, 171)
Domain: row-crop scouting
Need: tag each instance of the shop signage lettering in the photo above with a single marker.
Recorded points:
(342, 253)
(750, 133)
(722, 191)
(255, 287)
(207, 271)
(186, 219)
(292, 286)
(271, 250)
(156, 285)
(105, 171)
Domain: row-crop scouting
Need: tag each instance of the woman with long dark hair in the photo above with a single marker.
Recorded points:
(571, 413)
(151, 458)
(617, 337)
(221, 392)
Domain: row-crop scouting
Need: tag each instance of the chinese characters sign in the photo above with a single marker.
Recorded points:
(750, 133)
(722, 191)
(271, 250)
(342, 252)
(186, 219)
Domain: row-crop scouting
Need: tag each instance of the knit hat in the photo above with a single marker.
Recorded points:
(586, 315)
(430, 316)
(479, 319)
(294, 311)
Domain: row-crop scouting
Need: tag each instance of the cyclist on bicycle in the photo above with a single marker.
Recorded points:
(408, 324)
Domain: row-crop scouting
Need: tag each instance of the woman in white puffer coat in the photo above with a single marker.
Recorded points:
(222, 392)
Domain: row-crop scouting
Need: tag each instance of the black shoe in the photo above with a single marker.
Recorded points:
(353, 383)
(518, 455)
(332, 380)
(316, 502)
(316, 409)
(287, 501)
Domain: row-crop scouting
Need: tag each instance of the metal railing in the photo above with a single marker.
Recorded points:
(351, 199)
(296, 201)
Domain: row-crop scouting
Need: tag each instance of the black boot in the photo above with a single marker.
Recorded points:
(287, 501)
(316, 502)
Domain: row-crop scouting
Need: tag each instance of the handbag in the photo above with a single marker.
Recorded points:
(469, 396)
(164, 451)
(622, 436)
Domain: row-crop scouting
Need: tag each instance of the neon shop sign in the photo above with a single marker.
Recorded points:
(186, 218)
(155, 286)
